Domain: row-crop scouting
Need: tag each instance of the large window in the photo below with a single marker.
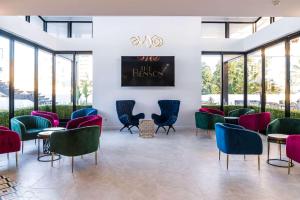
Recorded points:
(44, 80)
(275, 80)
(23, 79)
(262, 23)
(240, 30)
(82, 30)
(64, 101)
(235, 67)
(59, 30)
(4, 81)
(254, 76)
(295, 77)
(84, 73)
(211, 80)
(213, 30)
(37, 21)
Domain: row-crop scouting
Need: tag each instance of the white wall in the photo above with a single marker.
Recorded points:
(111, 39)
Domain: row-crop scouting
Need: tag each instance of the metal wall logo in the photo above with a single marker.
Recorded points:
(147, 41)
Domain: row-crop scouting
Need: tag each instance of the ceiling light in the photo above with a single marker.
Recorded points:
(275, 2)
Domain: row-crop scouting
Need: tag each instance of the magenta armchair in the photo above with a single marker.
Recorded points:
(293, 149)
(255, 122)
(9, 142)
(52, 117)
(93, 120)
(212, 111)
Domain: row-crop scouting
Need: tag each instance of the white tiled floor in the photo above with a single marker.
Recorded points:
(178, 166)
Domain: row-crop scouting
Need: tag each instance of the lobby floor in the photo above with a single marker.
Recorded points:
(179, 166)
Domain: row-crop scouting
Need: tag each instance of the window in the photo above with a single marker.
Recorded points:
(4, 81)
(59, 30)
(254, 79)
(211, 80)
(213, 30)
(44, 80)
(235, 86)
(295, 77)
(84, 73)
(240, 30)
(82, 30)
(275, 80)
(64, 104)
(37, 21)
(23, 79)
(262, 23)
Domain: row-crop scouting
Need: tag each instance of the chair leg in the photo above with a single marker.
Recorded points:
(157, 129)
(129, 128)
(289, 166)
(268, 151)
(7, 156)
(16, 159)
(72, 164)
(35, 141)
(219, 155)
(227, 161)
(81, 156)
(164, 128)
(244, 157)
(168, 130)
(52, 158)
(96, 158)
(258, 162)
(172, 127)
(196, 131)
(22, 147)
(280, 151)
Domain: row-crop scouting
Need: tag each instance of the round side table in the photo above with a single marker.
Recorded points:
(279, 139)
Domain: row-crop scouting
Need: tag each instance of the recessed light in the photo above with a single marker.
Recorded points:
(275, 2)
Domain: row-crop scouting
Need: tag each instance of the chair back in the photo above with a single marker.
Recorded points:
(207, 121)
(169, 108)
(288, 126)
(84, 112)
(125, 107)
(94, 120)
(241, 111)
(255, 122)
(32, 122)
(211, 110)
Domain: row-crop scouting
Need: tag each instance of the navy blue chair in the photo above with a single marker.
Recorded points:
(169, 113)
(84, 112)
(124, 110)
(234, 139)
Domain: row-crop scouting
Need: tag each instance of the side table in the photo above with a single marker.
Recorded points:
(146, 128)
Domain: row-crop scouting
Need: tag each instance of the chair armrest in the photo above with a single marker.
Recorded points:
(124, 118)
(273, 127)
(156, 117)
(18, 127)
(139, 116)
(4, 128)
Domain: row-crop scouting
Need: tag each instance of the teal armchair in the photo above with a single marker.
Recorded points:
(241, 111)
(28, 126)
(288, 126)
(75, 142)
(207, 121)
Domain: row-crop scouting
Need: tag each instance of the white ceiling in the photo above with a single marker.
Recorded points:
(67, 18)
(151, 7)
(229, 19)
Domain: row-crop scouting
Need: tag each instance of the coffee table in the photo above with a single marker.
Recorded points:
(232, 120)
(146, 127)
(279, 139)
(45, 135)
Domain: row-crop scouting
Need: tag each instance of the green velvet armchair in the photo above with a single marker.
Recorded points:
(75, 142)
(207, 121)
(240, 111)
(28, 126)
(288, 126)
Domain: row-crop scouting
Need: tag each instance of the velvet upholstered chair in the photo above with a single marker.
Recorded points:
(169, 114)
(241, 111)
(207, 120)
(124, 111)
(288, 126)
(84, 112)
(234, 139)
(28, 126)
(255, 122)
(52, 117)
(293, 149)
(9, 142)
(93, 120)
(212, 111)
(75, 142)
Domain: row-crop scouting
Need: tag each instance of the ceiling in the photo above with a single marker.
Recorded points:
(150, 7)
(229, 19)
(67, 18)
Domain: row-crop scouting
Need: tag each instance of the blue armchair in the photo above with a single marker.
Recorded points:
(124, 110)
(234, 139)
(169, 113)
(84, 112)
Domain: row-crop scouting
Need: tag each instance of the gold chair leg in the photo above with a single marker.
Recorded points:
(7, 156)
(196, 131)
(16, 159)
(52, 158)
(244, 157)
(280, 151)
(227, 161)
(289, 166)
(81, 156)
(22, 147)
(258, 162)
(35, 141)
(96, 158)
(268, 151)
(72, 164)
(219, 155)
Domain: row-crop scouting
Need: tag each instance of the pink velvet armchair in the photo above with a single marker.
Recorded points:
(255, 122)
(52, 117)
(93, 120)
(293, 149)
(213, 111)
(9, 142)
